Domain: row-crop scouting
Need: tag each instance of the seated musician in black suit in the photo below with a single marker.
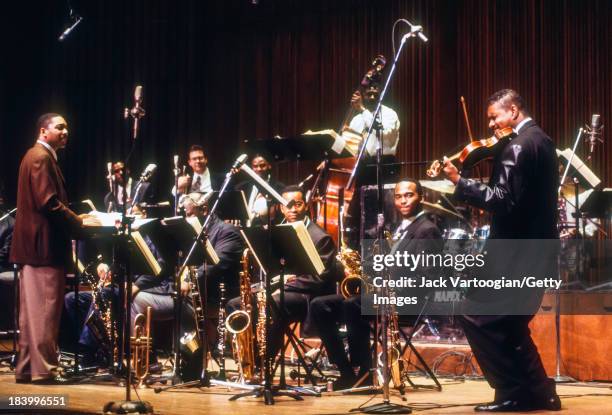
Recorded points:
(299, 289)
(329, 312)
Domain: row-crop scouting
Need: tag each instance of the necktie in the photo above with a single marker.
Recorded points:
(195, 187)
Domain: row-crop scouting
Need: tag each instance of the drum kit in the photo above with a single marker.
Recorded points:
(456, 226)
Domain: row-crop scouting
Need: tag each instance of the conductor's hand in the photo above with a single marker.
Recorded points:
(357, 101)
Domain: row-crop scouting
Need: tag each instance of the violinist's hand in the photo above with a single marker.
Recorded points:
(357, 101)
(450, 170)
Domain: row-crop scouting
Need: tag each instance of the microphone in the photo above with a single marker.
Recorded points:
(148, 172)
(239, 161)
(414, 30)
(138, 95)
(594, 133)
(69, 29)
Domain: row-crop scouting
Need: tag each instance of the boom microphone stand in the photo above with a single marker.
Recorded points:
(127, 405)
(559, 378)
(204, 380)
(386, 406)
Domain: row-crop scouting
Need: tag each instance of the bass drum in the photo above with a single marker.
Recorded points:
(480, 238)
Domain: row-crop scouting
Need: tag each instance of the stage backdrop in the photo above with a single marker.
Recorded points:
(219, 72)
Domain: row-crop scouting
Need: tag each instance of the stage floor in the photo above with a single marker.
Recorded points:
(457, 397)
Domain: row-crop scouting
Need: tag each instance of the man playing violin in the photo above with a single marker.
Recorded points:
(521, 196)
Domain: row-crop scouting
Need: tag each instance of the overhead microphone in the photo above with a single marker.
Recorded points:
(70, 28)
(594, 132)
(148, 172)
(239, 161)
(415, 30)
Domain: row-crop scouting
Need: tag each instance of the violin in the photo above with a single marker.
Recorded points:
(476, 151)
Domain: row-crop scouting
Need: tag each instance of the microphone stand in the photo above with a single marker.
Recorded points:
(267, 390)
(205, 380)
(559, 378)
(386, 407)
(127, 405)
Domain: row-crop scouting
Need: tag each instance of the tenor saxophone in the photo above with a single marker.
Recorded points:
(239, 324)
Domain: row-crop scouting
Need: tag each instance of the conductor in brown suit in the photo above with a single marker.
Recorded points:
(42, 246)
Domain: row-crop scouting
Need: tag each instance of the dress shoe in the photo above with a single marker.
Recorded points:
(54, 380)
(23, 380)
(502, 406)
(552, 403)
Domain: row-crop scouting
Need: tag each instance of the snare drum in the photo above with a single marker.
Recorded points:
(456, 234)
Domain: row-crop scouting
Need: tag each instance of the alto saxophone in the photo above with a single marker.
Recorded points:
(239, 324)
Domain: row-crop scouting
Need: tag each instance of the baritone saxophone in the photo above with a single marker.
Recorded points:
(238, 323)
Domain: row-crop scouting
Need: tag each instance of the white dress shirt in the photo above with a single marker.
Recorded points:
(205, 183)
(390, 122)
(48, 147)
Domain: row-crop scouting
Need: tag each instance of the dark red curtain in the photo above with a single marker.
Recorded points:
(217, 73)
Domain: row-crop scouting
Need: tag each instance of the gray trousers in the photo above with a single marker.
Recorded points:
(40, 308)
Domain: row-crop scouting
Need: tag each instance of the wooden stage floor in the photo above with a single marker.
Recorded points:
(456, 398)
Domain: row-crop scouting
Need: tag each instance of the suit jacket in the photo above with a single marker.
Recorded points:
(522, 191)
(44, 223)
(326, 282)
(228, 245)
(522, 196)
(418, 236)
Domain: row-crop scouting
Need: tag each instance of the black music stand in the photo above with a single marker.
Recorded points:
(277, 252)
(180, 235)
(233, 206)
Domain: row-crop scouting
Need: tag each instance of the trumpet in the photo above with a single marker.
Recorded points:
(141, 343)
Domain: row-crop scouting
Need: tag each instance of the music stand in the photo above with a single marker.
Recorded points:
(286, 248)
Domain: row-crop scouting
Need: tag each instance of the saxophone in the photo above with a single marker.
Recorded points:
(239, 324)
(351, 260)
(99, 320)
(261, 330)
(191, 339)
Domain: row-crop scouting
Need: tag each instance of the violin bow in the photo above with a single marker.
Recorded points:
(467, 120)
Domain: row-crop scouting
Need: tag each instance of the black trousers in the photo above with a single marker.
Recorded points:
(296, 309)
(508, 357)
(328, 312)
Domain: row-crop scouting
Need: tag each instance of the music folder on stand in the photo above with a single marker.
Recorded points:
(286, 248)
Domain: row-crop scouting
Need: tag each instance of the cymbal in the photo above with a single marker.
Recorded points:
(437, 209)
(441, 186)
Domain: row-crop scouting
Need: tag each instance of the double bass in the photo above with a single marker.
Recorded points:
(339, 171)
